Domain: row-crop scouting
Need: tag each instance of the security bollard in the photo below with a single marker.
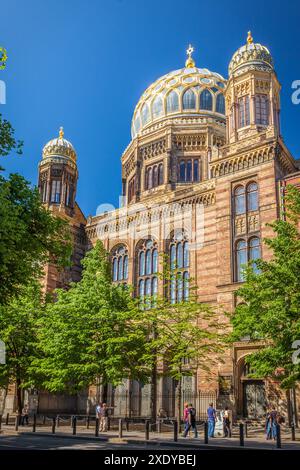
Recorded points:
(175, 430)
(120, 428)
(159, 426)
(7, 419)
(0, 421)
(53, 425)
(242, 435)
(147, 429)
(74, 425)
(127, 425)
(88, 422)
(17, 423)
(293, 432)
(97, 427)
(246, 429)
(278, 436)
(205, 432)
(34, 423)
(44, 419)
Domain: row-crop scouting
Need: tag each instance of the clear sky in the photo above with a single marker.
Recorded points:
(84, 64)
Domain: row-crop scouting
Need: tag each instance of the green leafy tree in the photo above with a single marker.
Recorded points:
(30, 236)
(18, 331)
(8, 142)
(270, 308)
(93, 330)
(183, 337)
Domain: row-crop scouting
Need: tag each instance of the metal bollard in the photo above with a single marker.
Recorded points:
(44, 419)
(147, 429)
(120, 428)
(88, 422)
(74, 425)
(53, 425)
(97, 427)
(7, 419)
(108, 423)
(242, 435)
(127, 425)
(17, 423)
(278, 436)
(293, 432)
(175, 430)
(0, 421)
(34, 423)
(246, 429)
(205, 432)
(159, 426)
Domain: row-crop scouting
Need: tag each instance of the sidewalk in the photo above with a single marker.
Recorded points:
(160, 439)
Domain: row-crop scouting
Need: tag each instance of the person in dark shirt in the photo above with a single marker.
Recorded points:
(191, 421)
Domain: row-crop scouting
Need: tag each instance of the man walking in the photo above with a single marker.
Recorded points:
(25, 414)
(191, 421)
(211, 417)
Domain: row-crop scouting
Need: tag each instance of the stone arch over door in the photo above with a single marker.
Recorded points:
(251, 399)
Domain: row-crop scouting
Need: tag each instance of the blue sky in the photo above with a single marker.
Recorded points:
(84, 65)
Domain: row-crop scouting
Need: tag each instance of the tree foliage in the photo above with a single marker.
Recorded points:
(30, 236)
(270, 307)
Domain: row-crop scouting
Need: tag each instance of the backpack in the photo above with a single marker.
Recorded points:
(192, 413)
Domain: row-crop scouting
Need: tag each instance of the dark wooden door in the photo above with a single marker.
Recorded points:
(254, 399)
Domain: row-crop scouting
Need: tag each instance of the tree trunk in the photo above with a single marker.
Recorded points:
(104, 393)
(3, 398)
(179, 396)
(19, 396)
(153, 396)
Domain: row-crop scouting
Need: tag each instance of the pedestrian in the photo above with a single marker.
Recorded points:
(103, 418)
(226, 422)
(185, 415)
(191, 421)
(98, 409)
(25, 414)
(271, 423)
(211, 417)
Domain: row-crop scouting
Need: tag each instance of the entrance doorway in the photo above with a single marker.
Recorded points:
(254, 399)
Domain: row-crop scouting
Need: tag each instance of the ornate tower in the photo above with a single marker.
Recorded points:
(58, 176)
(252, 93)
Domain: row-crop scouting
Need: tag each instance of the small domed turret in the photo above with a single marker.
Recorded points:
(251, 56)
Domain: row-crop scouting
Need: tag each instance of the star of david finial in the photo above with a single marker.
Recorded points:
(190, 61)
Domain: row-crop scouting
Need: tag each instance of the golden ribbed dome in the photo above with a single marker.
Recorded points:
(250, 56)
(59, 147)
(190, 91)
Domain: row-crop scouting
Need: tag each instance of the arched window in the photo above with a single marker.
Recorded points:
(160, 174)
(157, 107)
(241, 259)
(119, 256)
(189, 171)
(261, 110)
(252, 197)
(145, 114)
(182, 171)
(179, 263)
(239, 200)
(147, 281)
(172, 102)
(254, 252)
(220, 104)
(189, 100)
(196, 170)
(149, 178)
(155, 176)
(206, 100)
(243, 111)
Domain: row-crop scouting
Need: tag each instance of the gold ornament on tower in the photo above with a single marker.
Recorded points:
(249, 38)
(190, 63)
